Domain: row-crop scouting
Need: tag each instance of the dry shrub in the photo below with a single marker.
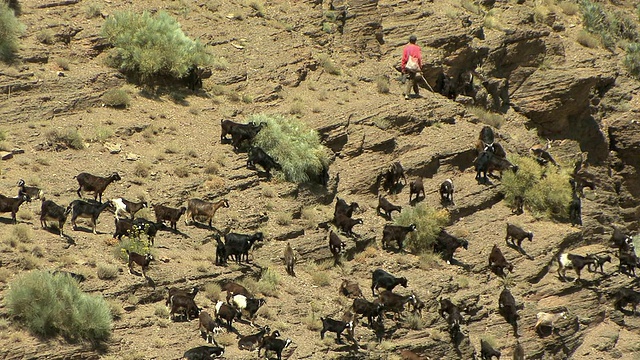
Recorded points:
(142, 169)
(68, 138)
(212, 291)
(214, 183)
(107, 271)
(487, 117)
(117, 98)
(382, 84)
(429, 222)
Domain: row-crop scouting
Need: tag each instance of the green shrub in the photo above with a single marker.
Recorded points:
(50, 304)
(10, 31)
(268, 283)
(328, 65)
(107, 271)
(487, 117)
(152, 45)
(428, 221)
(137, 242)
(68, 137)
(382, 83)
(545, 191)
(117, 98)
(293, 145)
(46, 36)
(632, 59)
(610, 26)
(212, 291)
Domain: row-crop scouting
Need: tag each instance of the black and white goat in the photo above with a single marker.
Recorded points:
(573, 261)
(12, 205)
(446, 192)
(33, 192)
(125, 207)
(250, 305)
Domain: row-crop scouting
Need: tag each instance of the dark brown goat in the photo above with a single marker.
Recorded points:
(497, 262)
(142, 260)
(416, 187)
(95, 184)
(53, 212)
(165, 213)
(350, 289)
(12, 205)
(289, 259)
(387, 207)
(197, 207)
(346, 224)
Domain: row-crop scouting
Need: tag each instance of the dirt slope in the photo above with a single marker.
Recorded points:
(534, 73)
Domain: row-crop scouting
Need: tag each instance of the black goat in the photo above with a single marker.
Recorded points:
(240, 244)
(394, 302)
(626, 296)
(416, 187)
(86, 209)
(575, 210)
(273, 344)
(53, 212)
(392, 176)
(335, 326)
(176, 291)
(95, 184)
(396, 233)
(78, 277)
(336, 245)
(221, 251)
(454, 318)
(387, 207)
(382, 279)
(508, 309)
(447, 245)
(487, 352)
(599, 262)
(621, 241)
(629, 261)
(260, 157)
(203, 353)
(165, 213)
(446, 192)
(12, 205)
(497, 261)
(516, 234)
(251, 342)
(487, 162)
(346, 224)
(343, 208)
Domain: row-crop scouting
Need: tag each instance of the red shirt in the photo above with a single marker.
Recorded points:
(411, 50)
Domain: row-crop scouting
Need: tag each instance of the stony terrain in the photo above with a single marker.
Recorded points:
(529, 67)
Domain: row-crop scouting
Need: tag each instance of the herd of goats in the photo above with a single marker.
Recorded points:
(239, 301)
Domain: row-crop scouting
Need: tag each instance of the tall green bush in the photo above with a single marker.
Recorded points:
(152, 45)
(545, 190)
(632, 59)
(429, 222)
(49, 305)
(610, 26)
(294, 145)
(10, 30)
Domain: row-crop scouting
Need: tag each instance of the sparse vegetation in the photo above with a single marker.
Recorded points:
(294, 145)
(49, 305)
(107, 271)
(610, 26)
(92, 10)
(212, 291)
(142, 169)
(429, 222)
(328, 64)
(312, 322)
(10, 31)
(587, 39)
(569, 8)
(548, 195)
(67, 138)
(182, 171)
(414, 322)
(117, 98)
(149, 45)
(632, 59)
(320, 278)
(268, 283)
(486, 116)
(382, 84)
(101, 134)
(62, 63)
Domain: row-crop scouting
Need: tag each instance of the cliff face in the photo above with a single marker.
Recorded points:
(513, 59)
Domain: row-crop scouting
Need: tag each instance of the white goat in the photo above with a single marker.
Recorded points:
(548, 319)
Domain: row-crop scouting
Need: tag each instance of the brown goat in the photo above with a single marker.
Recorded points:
(165, 213)
(289, 259)
(142, 260)
(197, 207)
(95, 184)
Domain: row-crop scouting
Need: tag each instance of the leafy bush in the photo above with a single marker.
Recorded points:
(117, 98)
(10, 31)
(632, 59)
(429, 222)
(53, 304)
(137, 242)
(152, 45)
(68, 137)
(545, 191)
(294, 145)
(107, 271)
(487, 117)
(610, 26)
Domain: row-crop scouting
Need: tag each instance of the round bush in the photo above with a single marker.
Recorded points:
(49, 305)
(10, 30)
(294, 145)
(429, 222)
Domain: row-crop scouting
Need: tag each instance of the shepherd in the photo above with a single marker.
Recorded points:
(412, 67)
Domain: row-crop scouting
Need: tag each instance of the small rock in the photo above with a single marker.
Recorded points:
(5, 155)
(17, 151)
(132, 157)
(113, 148)
(60, 73)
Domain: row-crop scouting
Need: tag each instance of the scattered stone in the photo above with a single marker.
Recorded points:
(113, 148)
(17, 151)
(5, 155)
(132, 157)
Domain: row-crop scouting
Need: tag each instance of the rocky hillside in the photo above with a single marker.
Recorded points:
(328, 63)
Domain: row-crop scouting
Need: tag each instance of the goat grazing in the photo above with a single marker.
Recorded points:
(336, 246)
(487, 162)
(387, 207)
(516, 234)
(176, 291)
(547, 320)
(184, 304)
(498, 263)
(234, 289)
(32, 192)
(416, 187)
(335, 326)
(626, 296)
(240, 244)
(447, 245)
(260, 157)
(446, 192)
(86, 209)
(382, 279)
(350, 289)
(123, 206)
(289, 259)
(247, 131)
(392, 176)
(208, 327)
(53, 212)
(454, 318)
(12, 205)
(203, 353)
(273, 344)
(394, 302)
(165, 213)
(227, 312)
(572, 261)
(251, 342)
(250, 305)
(508, 309)
(95, 184)
(629, 261)
(346, 224)
(396, 233)
(197, 207)
(599, 262)
(343, 208)
(487, 352)
(142, 260)
(367, 308)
